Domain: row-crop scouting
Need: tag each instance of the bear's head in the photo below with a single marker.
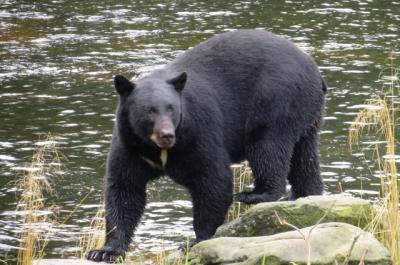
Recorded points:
(152, 106)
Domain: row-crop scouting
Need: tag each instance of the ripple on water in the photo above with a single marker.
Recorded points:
(25, 15)
(364, 106)
(328, 11)
(45, 96)
(359, 192)
(65, 112)
(339, 165)
(89, 19)
(394, 158)
(7, 247)
(8, 158)
(329, 174)
(205, 14)
(10, 95)
(23, 213)
(331, 68)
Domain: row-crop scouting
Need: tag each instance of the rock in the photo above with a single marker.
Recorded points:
(261, 220)
(78, 262)
(66, 262)
(328, 242)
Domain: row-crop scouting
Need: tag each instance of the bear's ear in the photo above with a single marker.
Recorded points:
(123, 85)
(179, 81)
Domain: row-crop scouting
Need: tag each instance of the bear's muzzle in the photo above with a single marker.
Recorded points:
(163, 133)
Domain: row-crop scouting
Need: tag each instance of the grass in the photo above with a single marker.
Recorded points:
(380, 118)
(242, 178)
(264, 260)
(35, 213)
(95, 238)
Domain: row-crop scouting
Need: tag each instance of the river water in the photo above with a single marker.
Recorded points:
(57, 60)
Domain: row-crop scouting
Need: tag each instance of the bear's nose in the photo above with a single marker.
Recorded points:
(163, 133)
(167, 135)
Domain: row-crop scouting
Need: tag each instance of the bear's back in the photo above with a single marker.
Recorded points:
(244, 79)
(237, 59)
(241, 49)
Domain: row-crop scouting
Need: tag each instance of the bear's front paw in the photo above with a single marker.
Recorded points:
(254, 198)
(107, 254)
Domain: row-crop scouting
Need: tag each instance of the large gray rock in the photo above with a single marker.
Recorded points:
(80, 262)
(66, 262)
(329, 242)
(261, 219)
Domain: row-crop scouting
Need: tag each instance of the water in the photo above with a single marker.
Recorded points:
(58, 59)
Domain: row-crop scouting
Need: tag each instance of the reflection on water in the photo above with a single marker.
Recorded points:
(57, 62)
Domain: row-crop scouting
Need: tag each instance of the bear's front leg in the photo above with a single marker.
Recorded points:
(125, 199)
(124, 205)
(211, 192)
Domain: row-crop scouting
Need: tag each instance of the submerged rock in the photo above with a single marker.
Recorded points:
(329, 243)
(261, 220)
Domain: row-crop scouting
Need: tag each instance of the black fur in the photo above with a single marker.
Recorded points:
(247, 94)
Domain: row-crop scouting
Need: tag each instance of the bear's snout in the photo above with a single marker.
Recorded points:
(163, 134)
(167, 138)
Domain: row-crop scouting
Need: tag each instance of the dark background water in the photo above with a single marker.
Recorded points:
(57, 60)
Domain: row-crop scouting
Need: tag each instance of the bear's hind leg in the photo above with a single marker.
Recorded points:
(304, 175)
(269, 159)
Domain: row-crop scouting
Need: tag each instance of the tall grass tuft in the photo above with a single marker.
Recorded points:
(95, 238)
(380, 117)
(35, 213)
(242, 178)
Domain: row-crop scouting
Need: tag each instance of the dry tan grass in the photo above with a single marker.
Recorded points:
(380, 119)
(35, 213)
(242, 177)
(95, 238)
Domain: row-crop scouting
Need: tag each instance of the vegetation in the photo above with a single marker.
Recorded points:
(35, 213)
(95, 238)
(380, 118)
(242, 178)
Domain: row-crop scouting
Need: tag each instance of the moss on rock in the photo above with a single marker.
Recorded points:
(261, 220)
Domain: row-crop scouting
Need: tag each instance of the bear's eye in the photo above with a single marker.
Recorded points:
(152, 111)
(170, 108)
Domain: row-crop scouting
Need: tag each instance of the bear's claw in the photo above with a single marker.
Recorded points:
(105, 254)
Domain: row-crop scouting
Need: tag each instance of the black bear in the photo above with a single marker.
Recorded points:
(245, 94)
